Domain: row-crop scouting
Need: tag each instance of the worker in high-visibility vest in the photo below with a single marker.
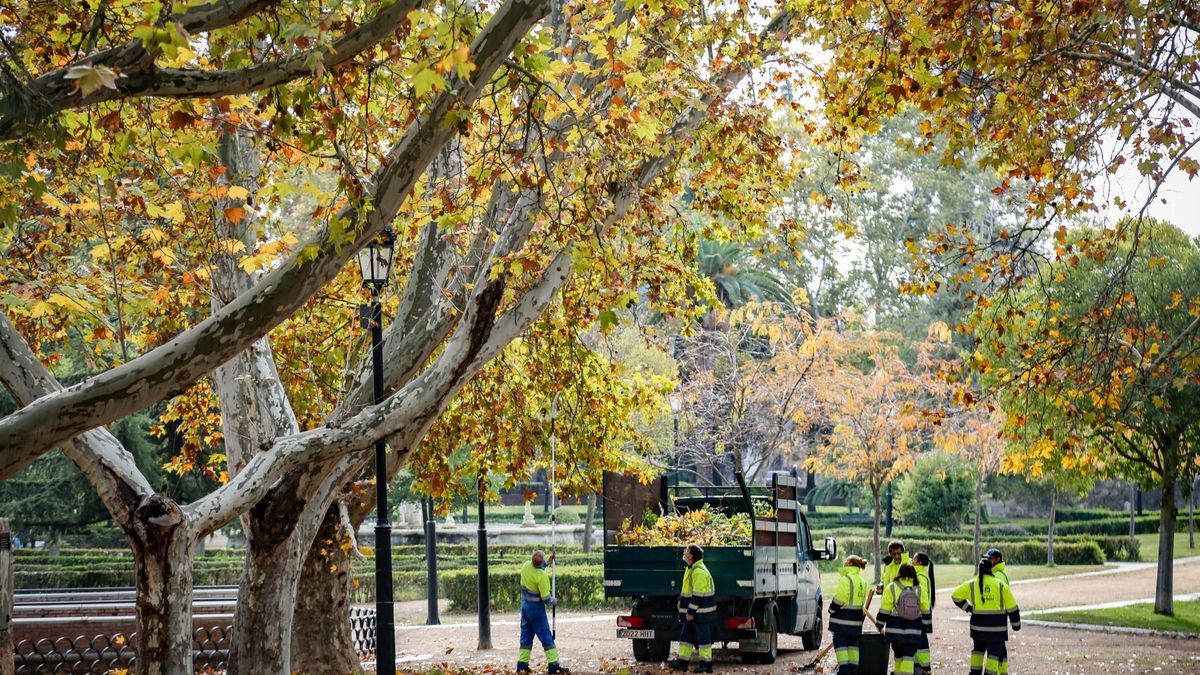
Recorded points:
(998, 570)
(904, 617)
(698, 612)
(846, 614)
(992, 606)
(535, 596)
(923, 564)
(895, 559)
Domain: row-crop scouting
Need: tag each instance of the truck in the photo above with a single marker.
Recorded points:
(769, 585)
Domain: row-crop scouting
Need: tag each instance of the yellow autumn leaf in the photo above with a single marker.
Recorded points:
(66, 302)
(39, 309)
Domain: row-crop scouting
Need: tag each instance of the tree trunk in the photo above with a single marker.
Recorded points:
(162, 552)
(875, 534)
(978, 509)
(588, 524)
(1050, 528)
(266, 600)
(1164, 590)
(321, 641)
(1132, 512)
(1192, 516)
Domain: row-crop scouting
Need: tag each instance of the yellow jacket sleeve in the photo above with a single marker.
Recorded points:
(1010, 601)
(962, 595)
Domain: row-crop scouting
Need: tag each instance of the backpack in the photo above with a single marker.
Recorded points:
(908, 603)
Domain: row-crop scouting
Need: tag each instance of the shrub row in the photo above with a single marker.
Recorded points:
(111, 577)
(1115, 548)
(1026, 552)
(577, 587)
(1077, 515)
(1116, 526)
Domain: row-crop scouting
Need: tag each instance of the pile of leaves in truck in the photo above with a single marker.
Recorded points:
(703, 526)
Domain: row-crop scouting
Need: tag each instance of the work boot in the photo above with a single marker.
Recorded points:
(704, 667)
(522, 667)
(678, 664)
(555, 668)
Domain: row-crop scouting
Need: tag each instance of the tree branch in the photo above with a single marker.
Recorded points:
(52, 93)
(172, 367)
(107, 465)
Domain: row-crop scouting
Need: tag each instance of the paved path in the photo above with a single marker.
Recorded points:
(1133, 583)
(589, 645)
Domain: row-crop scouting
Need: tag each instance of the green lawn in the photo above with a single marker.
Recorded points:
(949, 576)
(1186, 619)
(1149, 546)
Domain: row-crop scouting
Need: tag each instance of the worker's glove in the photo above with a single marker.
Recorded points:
(552, 601)
(1017, 628)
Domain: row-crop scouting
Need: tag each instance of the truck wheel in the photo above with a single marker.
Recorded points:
(651, 651)
(812, 639)
(770, 632)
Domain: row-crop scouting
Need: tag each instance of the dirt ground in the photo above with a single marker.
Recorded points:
(588, 642)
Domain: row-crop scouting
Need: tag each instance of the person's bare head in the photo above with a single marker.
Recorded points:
(539, 556)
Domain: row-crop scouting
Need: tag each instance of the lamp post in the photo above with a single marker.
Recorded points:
(431, 580)
(375, 262)
(485, 610)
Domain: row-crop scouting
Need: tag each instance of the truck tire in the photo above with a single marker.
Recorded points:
(771, 632)
(812, 638)
(651, 651)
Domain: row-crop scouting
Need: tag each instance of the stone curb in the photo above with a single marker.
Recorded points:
(1122, 630)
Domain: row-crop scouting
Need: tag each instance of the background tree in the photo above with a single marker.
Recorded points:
(873, 402)
(977, 433)
(936, 494)
(749, 402)
(1113, 386)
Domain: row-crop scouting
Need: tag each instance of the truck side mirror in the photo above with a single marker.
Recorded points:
(830, 552)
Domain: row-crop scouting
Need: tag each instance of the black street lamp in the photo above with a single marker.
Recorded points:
(375, 262)
(485, 615)
(431, 581)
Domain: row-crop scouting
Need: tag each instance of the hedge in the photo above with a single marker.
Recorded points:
(1115, 548)
(1077, 515)
(1027, 552)
(577, 587)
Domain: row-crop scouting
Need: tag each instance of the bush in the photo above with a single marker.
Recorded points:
(1004, 530)
(567, 517)
(1077, 515)
(577, 587)
(1115, 527)
(938, 492)
(961, 551)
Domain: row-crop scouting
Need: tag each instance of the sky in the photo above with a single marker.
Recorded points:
(1178, 200)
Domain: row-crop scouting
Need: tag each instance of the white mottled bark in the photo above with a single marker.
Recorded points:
(161, 538)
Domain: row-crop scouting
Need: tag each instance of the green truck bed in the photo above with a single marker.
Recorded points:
(632, 571)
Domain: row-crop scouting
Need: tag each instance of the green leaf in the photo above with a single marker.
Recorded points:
(608, 319)
(428, 79)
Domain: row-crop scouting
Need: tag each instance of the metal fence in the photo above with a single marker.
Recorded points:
(102, 653)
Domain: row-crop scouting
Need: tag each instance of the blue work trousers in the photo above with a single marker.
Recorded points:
(535, 623)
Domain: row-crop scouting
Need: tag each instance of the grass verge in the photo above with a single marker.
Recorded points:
(1186, 619)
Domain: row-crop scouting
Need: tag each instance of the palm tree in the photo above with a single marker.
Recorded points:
(731, 269)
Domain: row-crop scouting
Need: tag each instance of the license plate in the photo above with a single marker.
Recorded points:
(632, 633)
